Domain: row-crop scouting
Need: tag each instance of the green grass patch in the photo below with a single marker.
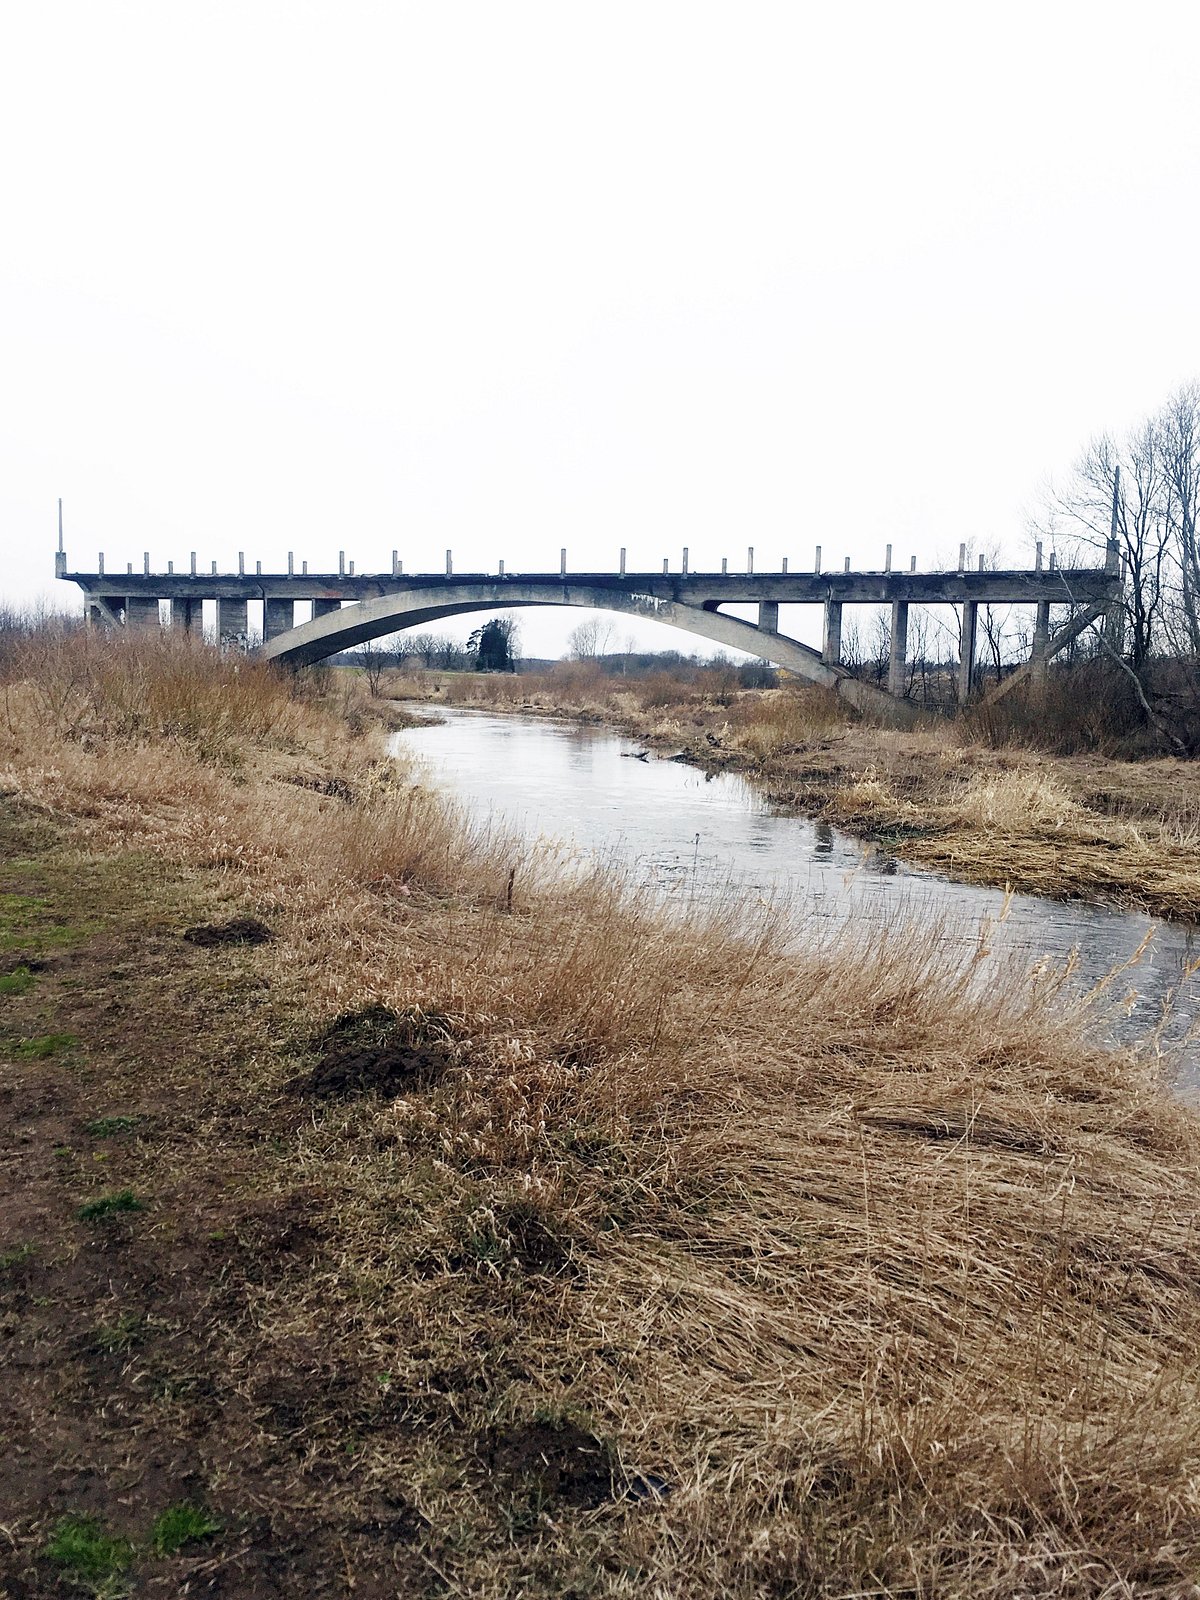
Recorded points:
(14, 1258)
(17, 981)
(109, 1205)
(81, 1547)
(44, 1046)
(118, 1336)
(181, 1524)
(110, 1127)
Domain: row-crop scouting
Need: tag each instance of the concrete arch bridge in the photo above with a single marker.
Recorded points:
(350, 609)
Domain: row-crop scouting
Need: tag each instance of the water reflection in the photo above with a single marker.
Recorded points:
(694, 833)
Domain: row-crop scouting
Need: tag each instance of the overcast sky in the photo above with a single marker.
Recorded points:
(503, 278)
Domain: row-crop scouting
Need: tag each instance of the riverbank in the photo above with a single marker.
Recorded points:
(382, 1216)
(1089, 826)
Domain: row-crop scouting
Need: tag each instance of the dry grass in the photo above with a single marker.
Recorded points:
(866, 1256)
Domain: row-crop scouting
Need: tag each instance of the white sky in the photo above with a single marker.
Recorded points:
(508, 277)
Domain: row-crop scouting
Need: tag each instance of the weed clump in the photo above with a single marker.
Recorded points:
(44, 1046)
(185, 1523)
(81, 1547)
(110, 1205)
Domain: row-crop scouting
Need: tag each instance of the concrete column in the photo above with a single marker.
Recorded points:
(322, 608)
(278, 616)
(899, 653)
(966, 663)
(1041, 636)
(232, 627)
(768, 616)
(831, 651)
(141, 612)
(187, 614)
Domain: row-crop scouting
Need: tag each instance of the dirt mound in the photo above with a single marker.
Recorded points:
(241, 930)
(377, 1051)
(558, 1462)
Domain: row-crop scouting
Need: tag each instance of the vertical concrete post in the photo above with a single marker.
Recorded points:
(214, 569)
(1041, 637)
(750, 559)
(395, 563)
(562, 562)
(304, 568)
(912, 565)
(847, 567)
(1053, 560)
(966, 654)
(141, 611)
(291, 565)
(831, 649)
(193, 563)
(768, 616)
(186, 615)
(258, 569)
(352, 569)
(449, 564)
(724, 566)
(665, 567)
(785, 564)
(322, 608)
(170, 569)
(232, 626)
(887, 559)
(899, 652)
(817, 562)
(341, 563)
(621, 564)
(278, 616)
(962, 558)
(100, 566)
(1037, 559)
(241, 563)
(685, 560)
(145, 563)
(981, 563)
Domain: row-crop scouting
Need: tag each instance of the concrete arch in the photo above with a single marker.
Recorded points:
(407, 608)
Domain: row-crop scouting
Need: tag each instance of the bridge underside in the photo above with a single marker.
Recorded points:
(381, 605)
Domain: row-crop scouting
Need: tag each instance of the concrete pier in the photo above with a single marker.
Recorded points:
(898, 657)
(232, 626)
(1041, 638)
(831, 650)
(187, 615)
(141, 611)
(278, 617)
(966, 654)
(768, 616)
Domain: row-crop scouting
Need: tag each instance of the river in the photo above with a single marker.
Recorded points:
(690, 833)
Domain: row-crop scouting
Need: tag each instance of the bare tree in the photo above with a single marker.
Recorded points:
(1178, 437)
(591, 638)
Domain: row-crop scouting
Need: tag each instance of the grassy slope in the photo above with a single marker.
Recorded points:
(683, 1264)
(1122, 831)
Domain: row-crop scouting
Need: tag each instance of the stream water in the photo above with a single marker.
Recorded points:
(688, 833)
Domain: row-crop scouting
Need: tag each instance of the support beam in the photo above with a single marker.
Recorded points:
(141, 612)
(768, 616)
(899, 651)
(232, 626)
(831, 652)
(187, 615)
(1057, 641)
(278, 617)
(966, 652)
